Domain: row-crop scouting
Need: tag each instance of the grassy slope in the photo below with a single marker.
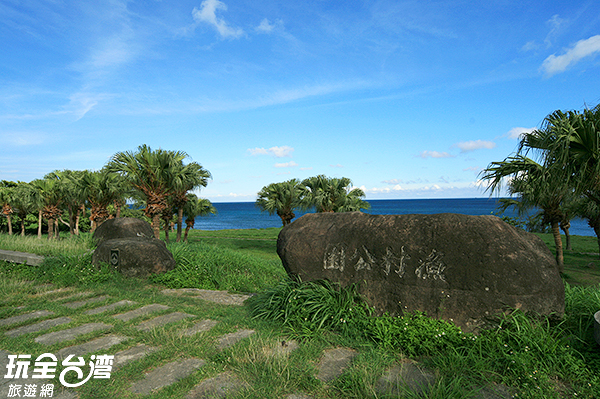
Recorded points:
(276, 378)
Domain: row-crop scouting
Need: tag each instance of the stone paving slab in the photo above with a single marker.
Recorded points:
(72, 296)
(80, 304)
(41, 326)
(220, 297)
(112, 306)
(21, 257)
(282, 348)
(220, 386)
(143, 311)
(201, 326)
(71, 333)
(24, 317)
(132, 354)
(334, 362)
(408, 375)
(162, 320)
(94, 345)
(228, 340)
(166, 375)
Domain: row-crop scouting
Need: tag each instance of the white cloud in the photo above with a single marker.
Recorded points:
(467, 146)
(307, 168)
(208, 14)
(290, 164)
(20, 139)
(516, 132)
(584, 48)
(278, 152)
(266, 26)
(258, 151)
(337, 166)
(434, 154)
(392, 181)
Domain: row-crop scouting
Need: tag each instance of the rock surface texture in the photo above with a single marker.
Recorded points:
(459, 268)
(123, 228)
(137, 257)
(128, 244)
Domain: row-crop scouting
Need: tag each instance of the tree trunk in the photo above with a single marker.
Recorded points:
(39, 235)
(9, 220)
(156, 225)
(565, 226)
(77, 219)
(56, 229)
(71, 220)
(167, 228)
(189, 224)
(50, 228)
(559, 248)
(179, 223)
(22, 227)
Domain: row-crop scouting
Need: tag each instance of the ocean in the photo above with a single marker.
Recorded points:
(246, 215)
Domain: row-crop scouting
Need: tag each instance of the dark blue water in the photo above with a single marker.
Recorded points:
(245, 215)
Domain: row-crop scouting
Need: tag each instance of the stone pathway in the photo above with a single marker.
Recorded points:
(26, 326)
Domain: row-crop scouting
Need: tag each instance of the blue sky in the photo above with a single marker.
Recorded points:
(409, 99)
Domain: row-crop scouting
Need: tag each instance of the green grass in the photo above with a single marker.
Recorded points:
(535, 359)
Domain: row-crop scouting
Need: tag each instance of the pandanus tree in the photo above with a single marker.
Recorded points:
(186, 177)
(536, 186)
(7, 195)
(50, 201)
(26, 201)
(151, 173)
(281, 198)
(100, 190)
(547, 185)
(194, 207)
(327, 194)
(72, 197)
(577, 148)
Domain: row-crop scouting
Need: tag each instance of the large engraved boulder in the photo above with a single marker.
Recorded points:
(123, 228)
(464, 269)
(134, 256)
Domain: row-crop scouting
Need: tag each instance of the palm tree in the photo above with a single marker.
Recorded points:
(6, 204)
(72, 196)
(186, 177)
(100, 190)
(150, 173)
(281, 198)
(26, 201)
(536, 186)
(195, 206)
(577, 148)
(50, 204)
(332, 195)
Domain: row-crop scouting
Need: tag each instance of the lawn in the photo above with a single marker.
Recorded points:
(532, 359)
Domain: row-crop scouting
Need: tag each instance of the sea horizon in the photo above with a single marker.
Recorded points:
(246, 215)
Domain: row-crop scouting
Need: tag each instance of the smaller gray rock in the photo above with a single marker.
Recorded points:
(123, 228)
(597, 327)
(136, 257)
